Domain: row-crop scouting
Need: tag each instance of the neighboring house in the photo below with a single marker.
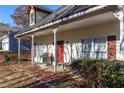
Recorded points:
(75, 31)
(4, 44)
(9, 43)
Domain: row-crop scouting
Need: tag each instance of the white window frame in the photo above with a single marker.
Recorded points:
(104, 51)
(93, 45)
(32, 17)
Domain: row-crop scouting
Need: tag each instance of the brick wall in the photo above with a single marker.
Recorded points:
(111, 47)
(2, 56)
(24, 55)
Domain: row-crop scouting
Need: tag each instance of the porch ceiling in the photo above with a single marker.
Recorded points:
(83, 23)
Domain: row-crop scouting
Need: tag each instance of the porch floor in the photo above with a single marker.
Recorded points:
(51, 67)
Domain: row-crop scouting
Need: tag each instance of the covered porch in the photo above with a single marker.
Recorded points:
(85, 37)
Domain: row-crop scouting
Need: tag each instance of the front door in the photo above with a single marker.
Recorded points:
(60, 51)
(111, 47)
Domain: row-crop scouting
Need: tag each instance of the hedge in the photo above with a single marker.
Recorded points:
(99, 73)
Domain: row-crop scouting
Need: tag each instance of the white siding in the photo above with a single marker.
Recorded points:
(74, 37)
(41, 49)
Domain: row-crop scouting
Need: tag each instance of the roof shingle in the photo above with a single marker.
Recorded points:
(60, 13)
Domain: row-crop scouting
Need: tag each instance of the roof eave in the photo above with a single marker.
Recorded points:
(64, 19)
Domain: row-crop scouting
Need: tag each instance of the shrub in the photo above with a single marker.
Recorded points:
(8, 57)
(99, 73)
(1, 47)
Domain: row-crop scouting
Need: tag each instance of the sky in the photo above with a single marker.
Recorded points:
(7, 10)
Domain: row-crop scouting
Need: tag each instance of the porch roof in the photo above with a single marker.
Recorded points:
(62, 14)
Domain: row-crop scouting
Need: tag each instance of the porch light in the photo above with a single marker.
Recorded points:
(67, 42)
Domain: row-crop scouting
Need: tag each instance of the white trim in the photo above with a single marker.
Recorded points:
(32, 12)
(19, 49)
(4, 50)
(32, 49)
(55, 50)
(121, 17)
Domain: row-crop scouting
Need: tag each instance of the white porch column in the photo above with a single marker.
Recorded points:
(19, 49)
(32, 49)
(55, 50)
(121, 17)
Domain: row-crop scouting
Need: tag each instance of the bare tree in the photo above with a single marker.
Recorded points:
(20, 17)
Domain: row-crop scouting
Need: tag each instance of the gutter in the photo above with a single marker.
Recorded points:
(64, 19)
(3, 37)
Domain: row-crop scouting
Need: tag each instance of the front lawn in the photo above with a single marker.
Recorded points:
(27, 75)
(82, 73)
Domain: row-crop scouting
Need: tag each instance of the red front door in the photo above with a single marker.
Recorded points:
(111, 47)
(60, 51)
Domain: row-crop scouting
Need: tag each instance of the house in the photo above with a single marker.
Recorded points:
(75, 31)
(8, 42)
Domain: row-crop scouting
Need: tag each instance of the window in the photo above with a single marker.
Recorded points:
(5, 45)
(100, 44)
(94, 48)
(87, 44)
(32, 18)
(86, 48)
(100, 47)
